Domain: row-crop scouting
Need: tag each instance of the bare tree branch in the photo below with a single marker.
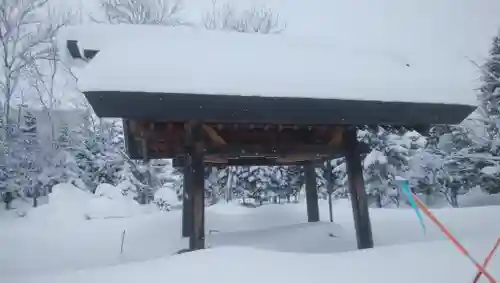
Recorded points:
(143, 12)
(27, 31)
(484, 70)
(254, 20)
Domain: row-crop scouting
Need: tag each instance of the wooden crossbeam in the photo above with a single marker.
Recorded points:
(212, 160)
(266, 150)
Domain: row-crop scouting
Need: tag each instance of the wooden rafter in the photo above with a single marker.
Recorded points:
(336, 136)
(214, 136)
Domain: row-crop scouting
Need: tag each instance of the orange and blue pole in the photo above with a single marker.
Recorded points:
(487, 260)
(457, 244)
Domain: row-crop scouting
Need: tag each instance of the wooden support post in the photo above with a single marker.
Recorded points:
(359, 200)
(329, 187)
(197, 189)
(145, 192)
(187, 206)
(311, 193)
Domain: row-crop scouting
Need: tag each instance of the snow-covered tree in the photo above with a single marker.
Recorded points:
(339, 178)
(389, 157)
(490, 91)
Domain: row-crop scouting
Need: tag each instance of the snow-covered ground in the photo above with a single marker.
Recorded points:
(58, 243)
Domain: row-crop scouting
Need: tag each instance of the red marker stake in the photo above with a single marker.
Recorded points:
(487, 260)
(459, 246)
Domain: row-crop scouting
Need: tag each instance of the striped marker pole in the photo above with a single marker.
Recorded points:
(459, 246)
(487, 260)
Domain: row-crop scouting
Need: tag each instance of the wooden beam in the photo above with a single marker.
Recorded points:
(187, 205)
(197, 187)
(358, 198)
(214, 159)
(178, 162)
(214, 136)
(267, 150)
(289, 152)
(329, 187)
(311, 193)
(300, 157)
(254, 161)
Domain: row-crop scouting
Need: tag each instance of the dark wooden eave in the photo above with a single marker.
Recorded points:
(256, 109)
(240, 119)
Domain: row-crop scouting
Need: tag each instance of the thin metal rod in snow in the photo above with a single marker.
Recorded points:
(122, 242)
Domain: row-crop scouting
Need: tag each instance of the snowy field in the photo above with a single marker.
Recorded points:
(77, 238)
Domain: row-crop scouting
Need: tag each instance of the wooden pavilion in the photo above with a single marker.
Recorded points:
(201, 101)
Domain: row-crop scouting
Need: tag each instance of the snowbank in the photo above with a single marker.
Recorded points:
(64, 195)
(476, 198)
(109, 191)
(66, 202)
(167, 194)
(69, 203)
(109, 202)
(430, 262)
(230, 208)
(104, 208)
(37, 247)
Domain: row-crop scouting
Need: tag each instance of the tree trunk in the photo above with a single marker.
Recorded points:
(229, 190)
(378, 199)
(454, 198)
(7, 198)
(330, 207)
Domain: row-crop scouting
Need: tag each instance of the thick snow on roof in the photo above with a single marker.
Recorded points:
(463, 27)
(181, 60)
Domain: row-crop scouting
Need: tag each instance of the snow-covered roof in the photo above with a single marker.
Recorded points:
(190, 61)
